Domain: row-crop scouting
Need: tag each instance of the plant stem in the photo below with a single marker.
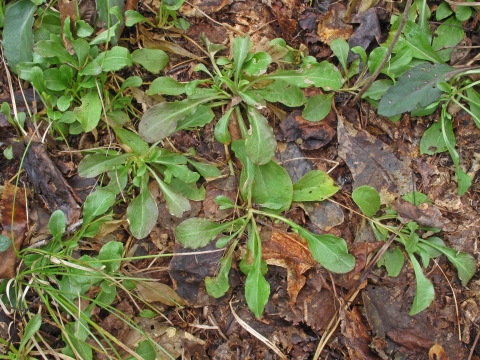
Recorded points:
(372, 78)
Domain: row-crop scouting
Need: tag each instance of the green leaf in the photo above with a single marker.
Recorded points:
(83, 29)
(392, 260)
(424, 293)
(132, 81)
(219, 285)
(189, 190)
(106, 35)
(55, 79)
(4, 243)
(443, 11)
(154, 60)
(37, 79)
(417, 41)
(88, 114)
(318, 107)
(474, 103)
(361, 52)
(375, 58)
(208, 171)
(330, 251)
(145, 350)
(257, 64)
(166, 85)
(463, 13)
(30, 330)
(241, 47)
(147, 313)
(17, 36)
(142, 214)
(416, 198)
(97, 203)
(281, 91)
(424, 244)
(450, 33)
(177, 203)
(315, 185)
(132, 17)
(132, 140)
(417, 87)
(465, 263)
(57, 224)
(49, 48)
(257, 291)
(160, 120)
(202, 116)
(195, 233)
(432, 141)
(112, 250)
(273, 187)
(96, 164)
(115, 59)
(340, 49)
(367, 199)
(377, 89)
(260, 144)
(224, 202)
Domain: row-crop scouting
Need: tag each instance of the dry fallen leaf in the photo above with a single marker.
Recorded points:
(155, 291)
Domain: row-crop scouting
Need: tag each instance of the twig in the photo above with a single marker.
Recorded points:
(372, 78)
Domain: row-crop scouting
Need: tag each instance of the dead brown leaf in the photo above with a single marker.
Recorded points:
(425, 214)
(368, 30)
(312, 135)
(332, 26)
(373, 163)
(356, 335)
(436, 352)
(13, 205)
(155, 291)
(289, 251)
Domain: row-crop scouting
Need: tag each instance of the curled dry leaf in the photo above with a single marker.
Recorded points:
(425, 214)
(332, 26)
(289, 251)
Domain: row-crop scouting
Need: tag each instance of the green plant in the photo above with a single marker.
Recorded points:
(70, 289)
(175, 180)
(368, 200)
(165, 18)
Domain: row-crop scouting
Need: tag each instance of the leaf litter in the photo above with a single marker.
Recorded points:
(305, 297)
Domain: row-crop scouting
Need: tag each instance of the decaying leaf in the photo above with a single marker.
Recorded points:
(373, 163)
(332, 26)
(356, 335)
(155, 291)
(368, 30)
(13, 205)
(289, 251)
(425, 214)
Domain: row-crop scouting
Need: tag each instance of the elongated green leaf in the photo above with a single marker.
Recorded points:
(375, 58)
(97, 203)
(273, 187)
(49, 48)
(88, 114)
(132, 140)
(417, 41)
(260, 144)
(32, 327)
(221, 132)
(37, 79)
(17, 36)
(96, 164)
(202, 116)
(208, 171)
(57, 224)
(315, 185)
(257, 64)
(340, 49)
(281, 91)
(115, 59)
(154, 60)
(166, 85)
(318, 107)
(257, 291)
(195, 233)
(55, 79)
(219, 285)
(142, 214)
(241, 47)
(474, 102)
(377, 89)
(417, 87)
(160, 120)
(367, 199)
(177, 203)
(189, 190)
(424, 293)
(465, 263)
(330, 251)
(132, 17)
